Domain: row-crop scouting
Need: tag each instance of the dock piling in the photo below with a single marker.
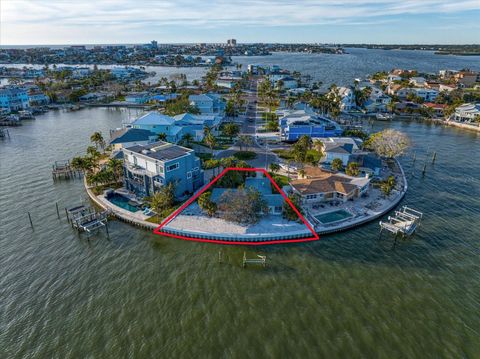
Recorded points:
(434, 157)
(30, 219)
(58, 212)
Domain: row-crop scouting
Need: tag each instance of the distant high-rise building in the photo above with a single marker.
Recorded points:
(232, 42)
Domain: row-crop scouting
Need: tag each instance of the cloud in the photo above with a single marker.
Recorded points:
(218, 12)
(21, 18)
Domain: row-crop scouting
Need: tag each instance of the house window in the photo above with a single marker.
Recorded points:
(173, 167)
(311, 196)
(278, 209)
(195, 169)
(189, 174)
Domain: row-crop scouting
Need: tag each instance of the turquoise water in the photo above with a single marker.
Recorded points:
(122, 202)
(334, 216)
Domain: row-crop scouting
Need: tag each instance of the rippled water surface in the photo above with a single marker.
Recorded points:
(140, 295)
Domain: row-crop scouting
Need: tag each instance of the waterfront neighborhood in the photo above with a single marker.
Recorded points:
(313, 140)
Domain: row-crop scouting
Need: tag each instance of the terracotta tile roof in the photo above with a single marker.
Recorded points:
(330, 183)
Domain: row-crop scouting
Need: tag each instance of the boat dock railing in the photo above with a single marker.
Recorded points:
(404, 222)
(262, 260)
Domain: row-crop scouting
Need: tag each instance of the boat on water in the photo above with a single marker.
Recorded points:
(384, 116)
(25, 115)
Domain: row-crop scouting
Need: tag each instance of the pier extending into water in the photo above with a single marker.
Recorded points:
(64, 170)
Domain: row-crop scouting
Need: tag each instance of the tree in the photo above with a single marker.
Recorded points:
(116, 166)
(244, 206)
(388, 143)
(206, 204)
(164, 199)
(97, 139)
(162, 136)
(244, 140)
(274, 167)
(287, 210)
(230, 130)
(337, 164)
(187, 139)
(352, 169)
(210, 140)
(318, 145)
(387, 185)
(230, 109)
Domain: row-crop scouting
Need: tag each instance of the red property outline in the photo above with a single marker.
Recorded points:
(159, 231)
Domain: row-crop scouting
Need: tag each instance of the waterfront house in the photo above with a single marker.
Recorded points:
(14, 99)
(467, 78)
(37, 98)
(343, 152)
(322, 186)
(377, 101)
(438, 109)
(427, 95)
(138, 98)
(127, 137)
(418, 81)
(158, 123)
(296, 123)
(348, 99)
(468, 112)
(147, 168)
(208, 103)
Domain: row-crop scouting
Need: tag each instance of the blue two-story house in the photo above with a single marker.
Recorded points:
(208, 103)
(297, 123)
(147, 168)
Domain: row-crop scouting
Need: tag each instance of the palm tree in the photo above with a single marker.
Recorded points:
(116, 166)
(97, 139)
(274, 167)
(210, 140)
(162, 136)
(187, 139)
(318, 145)
(244, 140)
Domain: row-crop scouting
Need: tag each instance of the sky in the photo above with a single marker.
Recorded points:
(50, 22)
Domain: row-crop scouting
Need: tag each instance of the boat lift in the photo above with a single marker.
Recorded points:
(87, 219)
(404, 223)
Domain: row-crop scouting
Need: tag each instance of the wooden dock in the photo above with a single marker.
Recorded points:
(262, 260)
(64, 170)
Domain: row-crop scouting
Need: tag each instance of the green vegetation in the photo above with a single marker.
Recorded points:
(230, 130)
(206, 204)
(245, 155)
(356, 133)
(388, 185)
(163, 200)
(244, 206)
(180, 105)
(352, 169)
(288, 211)
(337, 164)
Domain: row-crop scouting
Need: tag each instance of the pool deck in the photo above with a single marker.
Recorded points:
(364, 210)
(135, 218)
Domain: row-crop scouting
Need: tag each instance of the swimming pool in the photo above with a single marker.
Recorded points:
(122, 202)
(335, 216)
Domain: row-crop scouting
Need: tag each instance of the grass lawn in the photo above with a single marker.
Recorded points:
(245, 155)
(281, 180)
(285, 154)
